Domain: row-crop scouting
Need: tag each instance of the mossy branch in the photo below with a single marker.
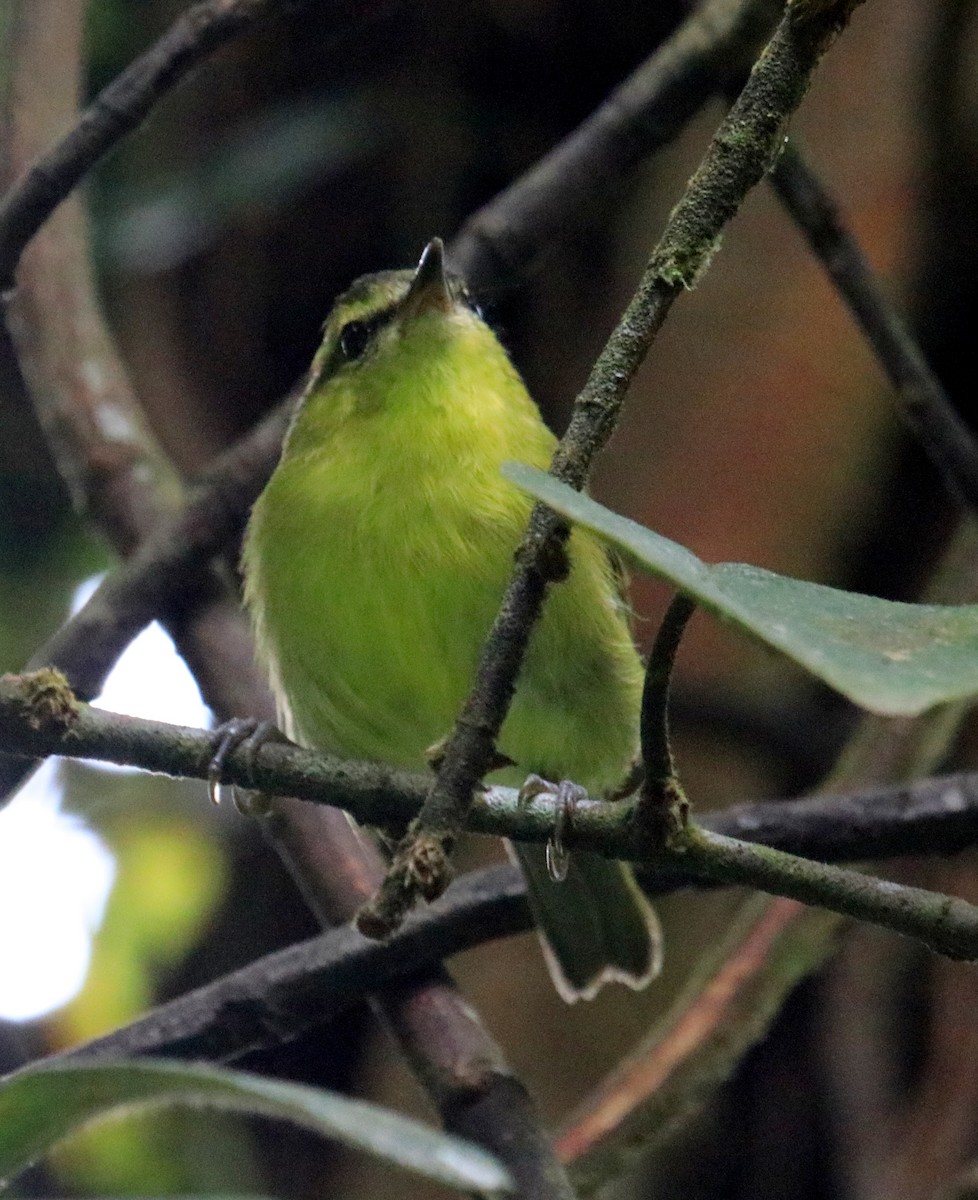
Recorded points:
(944, 924)
(40, 716)
(744, 148)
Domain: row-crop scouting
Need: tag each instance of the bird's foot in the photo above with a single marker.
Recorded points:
(566, 795)
(252, 734)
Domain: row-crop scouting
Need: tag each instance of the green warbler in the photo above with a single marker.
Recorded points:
(374, 563)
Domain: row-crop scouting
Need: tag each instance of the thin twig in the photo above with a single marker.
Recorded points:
(654, 724)
(743, 149)
(117, 111)
(714, 47)
(924, 405)
(661, 803)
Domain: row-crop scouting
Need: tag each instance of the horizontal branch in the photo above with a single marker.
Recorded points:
(929, 816)
(39, 716)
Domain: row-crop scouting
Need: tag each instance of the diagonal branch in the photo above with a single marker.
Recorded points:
(713, 49)
(168, 577)
(169, 570)
(280, 996)
(117, 111)
(742, 150)
(924, 404)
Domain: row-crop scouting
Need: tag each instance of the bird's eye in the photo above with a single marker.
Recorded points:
(354, 337)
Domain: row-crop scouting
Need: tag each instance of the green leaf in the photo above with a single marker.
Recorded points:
(891, 658)
(40, 1105)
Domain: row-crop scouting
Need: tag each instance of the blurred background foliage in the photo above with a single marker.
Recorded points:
(760, 430)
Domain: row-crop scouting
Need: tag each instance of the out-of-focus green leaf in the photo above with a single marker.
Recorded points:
(40, 1105)
(893, 659)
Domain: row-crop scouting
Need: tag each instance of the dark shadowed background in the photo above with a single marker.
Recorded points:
(760, 430)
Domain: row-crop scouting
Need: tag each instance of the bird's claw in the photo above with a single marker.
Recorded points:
(566, 794)
(239, 731)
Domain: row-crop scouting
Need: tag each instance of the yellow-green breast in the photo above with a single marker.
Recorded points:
(377, 555)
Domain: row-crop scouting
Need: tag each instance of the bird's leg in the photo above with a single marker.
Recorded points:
(566, 794)
(252, 734)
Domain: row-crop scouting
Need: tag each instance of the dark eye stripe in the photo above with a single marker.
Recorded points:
(356, 335)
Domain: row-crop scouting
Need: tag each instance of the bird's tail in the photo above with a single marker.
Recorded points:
(596, 926)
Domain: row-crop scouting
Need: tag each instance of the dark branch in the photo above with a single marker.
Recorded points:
(115, 112)
(930, 816)
(924, 404)
(280, 996)
(713, 48)
(738, 157)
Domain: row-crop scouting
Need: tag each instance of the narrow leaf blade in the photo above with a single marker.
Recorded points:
(41, 1105)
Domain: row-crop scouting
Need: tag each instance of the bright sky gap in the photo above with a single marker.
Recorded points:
(55, 873)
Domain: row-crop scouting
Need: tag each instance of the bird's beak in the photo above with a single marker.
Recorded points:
(430, 290)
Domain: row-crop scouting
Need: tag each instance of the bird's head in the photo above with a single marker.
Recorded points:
(406, 358)
(391, 318)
